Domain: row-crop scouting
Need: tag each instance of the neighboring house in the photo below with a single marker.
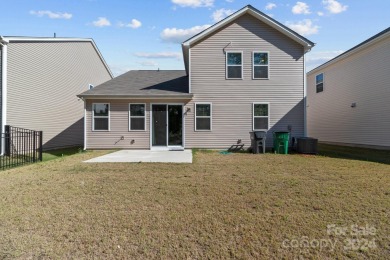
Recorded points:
(348, 97)
(242, 74)
(40, 78)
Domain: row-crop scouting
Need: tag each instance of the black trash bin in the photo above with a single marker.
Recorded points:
(258, 139)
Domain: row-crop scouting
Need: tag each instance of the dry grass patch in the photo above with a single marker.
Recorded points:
(221, 206)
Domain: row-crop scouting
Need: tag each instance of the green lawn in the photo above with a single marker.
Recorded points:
(221, 206)
(55, 154)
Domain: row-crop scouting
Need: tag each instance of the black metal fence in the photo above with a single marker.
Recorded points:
(20, 146)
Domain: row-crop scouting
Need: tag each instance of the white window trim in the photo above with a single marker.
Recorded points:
(93, 117)
(211, 117)
(323, 82)
(253, 65)
(242, 65)
(253, 115)
(130, 116)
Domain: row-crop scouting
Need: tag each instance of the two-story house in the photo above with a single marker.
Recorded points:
(39, 80)
(244, 73)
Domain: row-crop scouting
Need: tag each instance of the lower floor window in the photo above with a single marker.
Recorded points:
(137, 117)
(203, 117)
(260, 116)
(101, 117)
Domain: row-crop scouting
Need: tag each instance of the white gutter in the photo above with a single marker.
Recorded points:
(4, 49)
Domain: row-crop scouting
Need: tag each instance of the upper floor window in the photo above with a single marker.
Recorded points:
(101, 117)
(137, 118)
(91, 86)
(203, 116)
(320, 83)
(260, 116)
(260, 65)
(234, 65)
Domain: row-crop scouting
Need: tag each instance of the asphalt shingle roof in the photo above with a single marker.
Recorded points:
(139, 83)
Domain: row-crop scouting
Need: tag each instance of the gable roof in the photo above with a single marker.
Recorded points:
(143, 84)
(255, 13)
(369, 41)
(10, 39)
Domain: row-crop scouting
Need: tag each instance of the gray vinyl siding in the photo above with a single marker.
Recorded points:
(232, 99)
(119, 125)
(43, 81)
(363, 78)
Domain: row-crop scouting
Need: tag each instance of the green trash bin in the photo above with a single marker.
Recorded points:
(281, 142)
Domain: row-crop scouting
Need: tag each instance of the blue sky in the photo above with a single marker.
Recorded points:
(147, 34)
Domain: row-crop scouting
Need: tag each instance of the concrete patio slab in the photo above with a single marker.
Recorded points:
(145, 156)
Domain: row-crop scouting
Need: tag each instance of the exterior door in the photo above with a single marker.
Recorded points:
(175, 125)
(159, 126)
(167, 125)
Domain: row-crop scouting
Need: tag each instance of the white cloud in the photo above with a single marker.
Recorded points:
(175, 35)
(119, 69)
(101, 22)
(51, 15)
(230, 1)
(315, 59)
(270, 6)
(323, 55)
(148, 63)
(320, 13)
(334, 7)
(159, 55)
(194, 3)
(220, 14)
(304, 27)
(300, 8)
(133, 24)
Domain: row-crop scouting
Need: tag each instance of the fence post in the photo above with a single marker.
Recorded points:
(40, 145)
(7, 140)
(34, 146)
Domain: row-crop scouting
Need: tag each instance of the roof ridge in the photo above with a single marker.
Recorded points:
(260, 13)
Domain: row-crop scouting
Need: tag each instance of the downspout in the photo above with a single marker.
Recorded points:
(305, 95)
(3, 44)
(85, 123)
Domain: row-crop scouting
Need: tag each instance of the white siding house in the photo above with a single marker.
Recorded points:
(348, 98)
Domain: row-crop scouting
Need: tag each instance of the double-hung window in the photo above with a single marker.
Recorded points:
(203, 117)
(320, 83)
(234, 65)
(260, 65)
(101, 117)
(261, 116)
(137, 119)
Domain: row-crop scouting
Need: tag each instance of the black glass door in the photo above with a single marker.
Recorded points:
(159, 126)
(175, 125)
